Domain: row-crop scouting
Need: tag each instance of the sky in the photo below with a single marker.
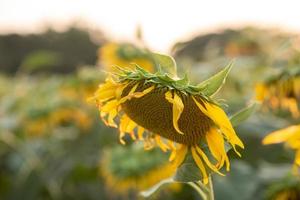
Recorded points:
(163, 21)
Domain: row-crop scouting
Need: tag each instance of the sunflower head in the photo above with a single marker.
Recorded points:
(286, 189)
(171, 114)
(281, 91)
(139, 171)
(124, 55)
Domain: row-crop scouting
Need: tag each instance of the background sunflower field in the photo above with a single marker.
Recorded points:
(54, 146)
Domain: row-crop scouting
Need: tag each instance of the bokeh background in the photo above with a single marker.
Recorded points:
(53, 144)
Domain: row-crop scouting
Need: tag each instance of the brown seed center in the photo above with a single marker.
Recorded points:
(154, 113)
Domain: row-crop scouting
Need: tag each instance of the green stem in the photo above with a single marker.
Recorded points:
(206, 192)
(199, 190)
(210, 195)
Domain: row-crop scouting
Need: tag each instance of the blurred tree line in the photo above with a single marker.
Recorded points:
(51, 51)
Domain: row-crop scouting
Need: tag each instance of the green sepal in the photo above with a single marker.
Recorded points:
(243, 114)
(165, 64)
(212, 85)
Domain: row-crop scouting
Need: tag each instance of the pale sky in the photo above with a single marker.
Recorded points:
(163, 21)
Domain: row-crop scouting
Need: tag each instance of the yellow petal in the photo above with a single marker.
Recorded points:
(104, 95)
(160, 143)
(281, 135)
(140, 133)
(200, 165)
(111, 116)
(177, 108)
(130, 128)
(206, 160)
(143, 93)
(123, 125)
(113, 104)
(297, 158)
(173, 155)
(219, 117)
(216, 146)
(180, 155)
(120, 89)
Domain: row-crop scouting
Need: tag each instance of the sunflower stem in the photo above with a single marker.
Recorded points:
(199, 190)
(210, 195)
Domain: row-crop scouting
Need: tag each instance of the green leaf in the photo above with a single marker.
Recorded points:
(212, 85)
(150, 191)
(166, 63)
(243, 114)
(188, 171)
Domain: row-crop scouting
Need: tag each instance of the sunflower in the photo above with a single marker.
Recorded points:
(168, 113)
(139, 171)
(282, 91)
(287, 194)
(287, 188)
(123, 55)
(291, 137)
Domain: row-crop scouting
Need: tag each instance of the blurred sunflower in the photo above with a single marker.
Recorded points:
(285, 189)
(124, 55)
(169, 113)
(291, 137)
(288, 194)
(67, 116)
(282, 91)
(46, 122)
(139, 171)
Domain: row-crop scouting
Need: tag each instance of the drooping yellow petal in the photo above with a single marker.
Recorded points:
(173, 150)
(297, 158)
(281, 135)
(200, 165)
(113, 104)
(130, 128)
(140, 133)
(111, 116)
(104, 95)
(123, 125)
(206, 160)
(180, 155)
(148, 143)
(219, 117)
(120, 89)
(160, 143)
(133, 94)
(216, 146)
(177, 108)
(144, 92)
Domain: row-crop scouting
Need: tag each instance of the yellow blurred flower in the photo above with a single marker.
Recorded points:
(291, 137)
(124, 56)
(67, 116)
(282, 92)
(139, 171)
(288, 194)
(45, 124)
(287, 188)
(36, 127)
(175, 117)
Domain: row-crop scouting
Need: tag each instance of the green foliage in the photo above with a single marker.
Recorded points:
(243, 114)
(72, 48)
(212, 85)
(41, 60)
